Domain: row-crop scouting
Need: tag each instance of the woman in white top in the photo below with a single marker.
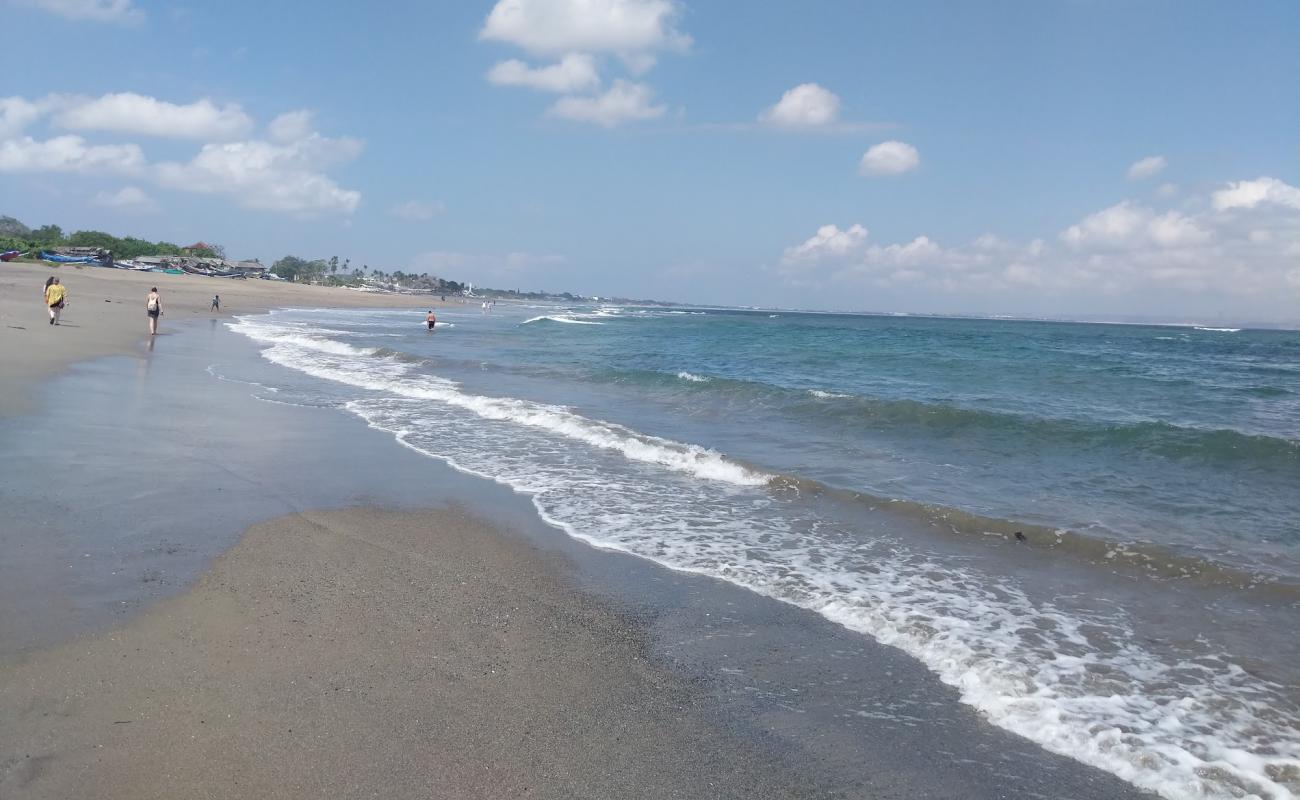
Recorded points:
(153, 307)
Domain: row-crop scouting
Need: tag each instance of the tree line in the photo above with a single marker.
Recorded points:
(16, 236)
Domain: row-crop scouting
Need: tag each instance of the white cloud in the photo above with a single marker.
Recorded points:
(624, 101)
(1249, 194)
(128, 112)
(415, 210)
(68, 154)
(128, 198)
(1147, 167)
(1238, 254)
(1167, 190)
(1115, 226)
(291, 126)
(828, 242)
(1127, 225)
(549, 27)
(121, 11)
(1172, 229)
(889, 158)
(921, 251)
(806, 105)
(271, 176)
(575, 72)
(16, 113)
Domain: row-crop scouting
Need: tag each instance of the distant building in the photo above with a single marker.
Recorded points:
(252, 269)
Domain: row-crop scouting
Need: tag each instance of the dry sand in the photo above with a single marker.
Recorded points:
(365, 653)
(105, 314)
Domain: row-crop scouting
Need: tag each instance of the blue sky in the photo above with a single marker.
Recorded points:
(902, 156)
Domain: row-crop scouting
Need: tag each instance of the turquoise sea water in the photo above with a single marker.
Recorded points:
(877, 470)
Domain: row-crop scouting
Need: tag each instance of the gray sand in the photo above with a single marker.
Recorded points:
(364, 653)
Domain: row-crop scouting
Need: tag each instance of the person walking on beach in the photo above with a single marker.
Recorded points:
(55, 296)
(430, 319)
(153, 307)
(216, 302)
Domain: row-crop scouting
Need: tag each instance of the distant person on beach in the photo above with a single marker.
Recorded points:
(153, 307)
(55, 296)
(216, 302)
(431, 319)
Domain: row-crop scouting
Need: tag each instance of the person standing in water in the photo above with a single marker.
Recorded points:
(430, 319)
(55, 295)
(153, 307)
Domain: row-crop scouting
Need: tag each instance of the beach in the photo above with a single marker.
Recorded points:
(369, 653)
(105, 313)
(275, 599)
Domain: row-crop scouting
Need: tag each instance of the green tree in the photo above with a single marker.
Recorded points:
(48, 234)
(290, 267)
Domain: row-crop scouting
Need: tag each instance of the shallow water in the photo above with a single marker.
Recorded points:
(876, 470)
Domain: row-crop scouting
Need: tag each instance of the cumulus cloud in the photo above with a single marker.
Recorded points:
(68, 154)
(127, 112)
(1240, 248)
(551, 27)
(261, 175)
(576, 72)
(282, 173)
(828, 242)
(889, 158)
(16, 113)
(120, 11)
(1261, 191)
(128, 198)
(1128, 224)
(415, 210)
(1147, 167)
(806, 105)
(276, 176)
(623, 102)
(291, 126)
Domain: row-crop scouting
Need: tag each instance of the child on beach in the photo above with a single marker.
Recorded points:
(153, 307)
(55, 296)
(216, 302)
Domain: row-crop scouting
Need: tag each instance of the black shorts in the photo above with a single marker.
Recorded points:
(430, 326)
(153, 312)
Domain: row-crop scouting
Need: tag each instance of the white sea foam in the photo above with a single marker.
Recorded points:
(687, 376)
(362, 369)
(821, 395)
(1079, 684)
(572, 320)
(1219, 330)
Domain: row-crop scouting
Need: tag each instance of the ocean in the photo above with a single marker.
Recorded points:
(1092, 531)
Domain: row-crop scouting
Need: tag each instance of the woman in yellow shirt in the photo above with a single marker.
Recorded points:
(55, 295)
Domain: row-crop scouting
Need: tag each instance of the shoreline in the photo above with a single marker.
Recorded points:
(105, 315)
(722, 673)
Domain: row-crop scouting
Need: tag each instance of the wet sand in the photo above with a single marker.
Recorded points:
(370, 653)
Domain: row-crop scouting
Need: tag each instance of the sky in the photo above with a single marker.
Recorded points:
(1079, 158)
